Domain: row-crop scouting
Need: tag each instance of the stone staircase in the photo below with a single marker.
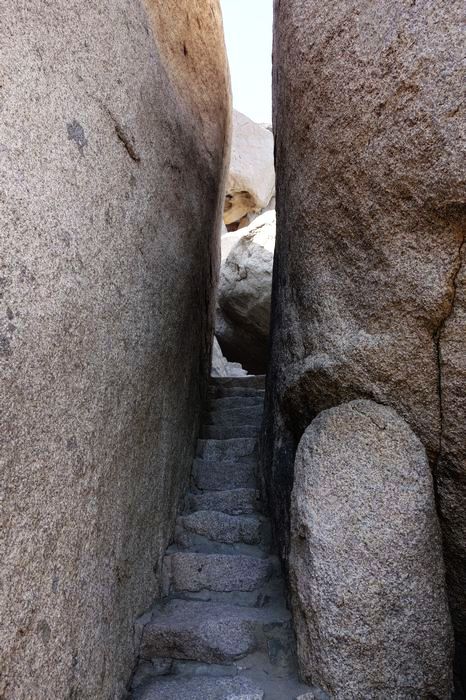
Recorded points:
(222, 630)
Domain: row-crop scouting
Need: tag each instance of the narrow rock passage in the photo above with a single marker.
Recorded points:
(222, 631)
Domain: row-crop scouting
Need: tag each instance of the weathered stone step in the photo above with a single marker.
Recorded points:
(272, 593)
(199, 688)
(223, 392)
(234, 416)
(226, 432)
(256, 381)
(239, 501)
(228, 402)
(229, 450)
(272, 681)
(189, 542)
(221, 475)
(210, 632)
(220, 527)
(192, 571)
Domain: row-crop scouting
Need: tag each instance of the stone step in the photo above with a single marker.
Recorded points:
(199, 688)
(220, 527)
(228, 402)
(222, 475)
(256, 381)
(223, 392)
(272, 593)
(228, 450)
(211, 632)
(226, 432)
(222, 631)
(185, 541)
(275, 682)
(193, 571)
(234, 416)
(233, 501)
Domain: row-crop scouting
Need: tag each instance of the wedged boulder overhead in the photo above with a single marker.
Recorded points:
(243, 314)
(113, 131)
(366, 565)
(251, 178)
(369, 269)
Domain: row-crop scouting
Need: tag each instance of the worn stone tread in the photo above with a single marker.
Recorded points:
(234, 416)
(199, 688)
(221, 475)
(256, 381)
(226, 432)
(239, 501)
(222, 392)
(194, 571)
(226, 449)
(210, 632)
(221, 527)
(229, 402)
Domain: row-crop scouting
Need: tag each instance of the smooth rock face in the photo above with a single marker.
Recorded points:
(366, 565)
(251, 179)
(216, 572)
(112, 155)
(369, 280)
(243, 316)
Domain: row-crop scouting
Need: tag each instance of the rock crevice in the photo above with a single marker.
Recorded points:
(457, 267)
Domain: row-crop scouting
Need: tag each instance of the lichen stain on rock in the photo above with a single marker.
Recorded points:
(76, 134)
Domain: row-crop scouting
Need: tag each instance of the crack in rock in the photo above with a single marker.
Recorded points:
(127, 140)
(439, 333)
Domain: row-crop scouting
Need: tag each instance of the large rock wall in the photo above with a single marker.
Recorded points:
(369, 281)
(113, 139)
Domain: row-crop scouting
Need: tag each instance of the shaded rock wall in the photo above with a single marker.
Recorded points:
(368, 295)
(113, 139)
